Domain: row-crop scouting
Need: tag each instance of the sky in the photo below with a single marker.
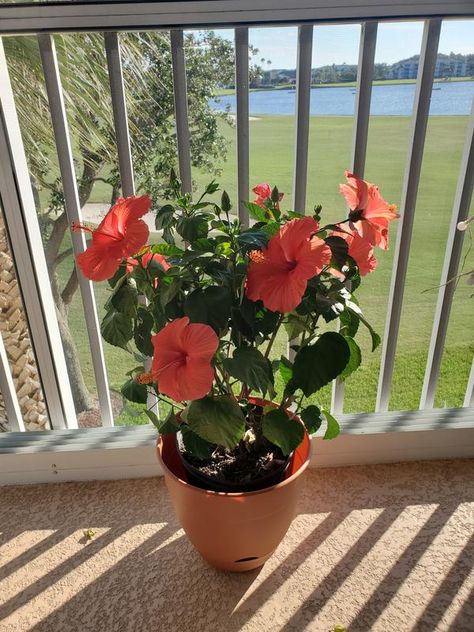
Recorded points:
(336, 44)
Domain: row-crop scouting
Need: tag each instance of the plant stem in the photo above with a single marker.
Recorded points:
(274, 335)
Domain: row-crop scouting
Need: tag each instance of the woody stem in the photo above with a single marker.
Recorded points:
(274, 335)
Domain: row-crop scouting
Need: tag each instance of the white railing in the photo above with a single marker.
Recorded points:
(16, 194)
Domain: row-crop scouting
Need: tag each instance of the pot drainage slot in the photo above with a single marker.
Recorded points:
(246, 559)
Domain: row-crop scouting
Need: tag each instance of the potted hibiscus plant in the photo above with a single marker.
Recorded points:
(206, 310)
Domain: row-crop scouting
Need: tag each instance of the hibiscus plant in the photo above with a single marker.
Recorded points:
(201, 310)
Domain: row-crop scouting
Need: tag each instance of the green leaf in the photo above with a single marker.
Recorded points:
(285, 368)
(142, 333)
(167, 426)
(312, 419)
(318, 364)
(164, 217)
(192, 228)
(252, 239)
(271, 229)
(134, 392)
(332, 429)
(217, 420)
(168, 250)
(210, 306)
(349, 323)
(339, 249)
(353, 307)
(251, 367)
(282, 431)
(195, 445)
(167, 291)
(257, 212)
(124, 300)
(355, 358)
(295, 325)
(118, 276)
(116, 329)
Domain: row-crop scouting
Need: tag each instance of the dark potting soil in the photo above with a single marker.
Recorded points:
(241, 465)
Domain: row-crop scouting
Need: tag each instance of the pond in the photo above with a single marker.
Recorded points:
(448, 98)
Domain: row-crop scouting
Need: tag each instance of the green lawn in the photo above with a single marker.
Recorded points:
(271, 151)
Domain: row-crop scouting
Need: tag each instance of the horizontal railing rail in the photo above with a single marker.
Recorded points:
(114, 16)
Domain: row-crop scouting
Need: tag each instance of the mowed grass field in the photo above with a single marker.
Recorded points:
(271, 156)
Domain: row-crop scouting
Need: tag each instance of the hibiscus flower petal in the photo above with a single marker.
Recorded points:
(292, 236)
(277, 288)
(195, 379)
(136, 236)
(312, 258)
(355, 191)
(377, 207)
(200, 341)
(96, 265)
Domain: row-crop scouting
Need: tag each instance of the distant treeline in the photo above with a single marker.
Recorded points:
(448, 66)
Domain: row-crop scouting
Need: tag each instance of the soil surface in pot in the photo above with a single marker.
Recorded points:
(247, 467)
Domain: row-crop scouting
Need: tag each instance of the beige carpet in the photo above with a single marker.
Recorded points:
(376, 548)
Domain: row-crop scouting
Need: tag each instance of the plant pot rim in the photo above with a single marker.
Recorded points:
(207, 492)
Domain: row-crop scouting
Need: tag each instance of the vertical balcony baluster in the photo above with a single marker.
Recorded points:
(119, 108)
(365, 73)
(242, 118)
(73, 210)
(452, 258)
(303, 96)
(421, 107)
(181, 109)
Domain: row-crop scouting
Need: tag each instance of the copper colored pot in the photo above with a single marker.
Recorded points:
(233, 531)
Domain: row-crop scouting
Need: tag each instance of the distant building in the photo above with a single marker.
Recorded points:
(446, 66)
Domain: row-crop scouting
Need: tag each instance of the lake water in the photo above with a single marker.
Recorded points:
(452, 98)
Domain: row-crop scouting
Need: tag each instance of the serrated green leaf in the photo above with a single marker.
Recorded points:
(339, 249)
(355, 358)
(285, 367)
(312, 419)
(164, 217)
(251, 367)
(252, 239)
(166, 426)
(192, 228)
(196, 445)
(257, 212)
(271, 229)
(143, 330)
(282, 431)
(318, 364)
(353, 307)
(116, 328)
(167, 250)
(134, 392)
(332, 429)
(218, 420)
(210, 306)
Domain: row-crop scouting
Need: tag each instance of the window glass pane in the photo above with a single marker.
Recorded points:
(16, 338)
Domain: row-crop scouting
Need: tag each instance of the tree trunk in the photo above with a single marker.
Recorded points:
(82, 397)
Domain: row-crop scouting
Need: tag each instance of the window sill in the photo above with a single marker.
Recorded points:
(129, 452)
